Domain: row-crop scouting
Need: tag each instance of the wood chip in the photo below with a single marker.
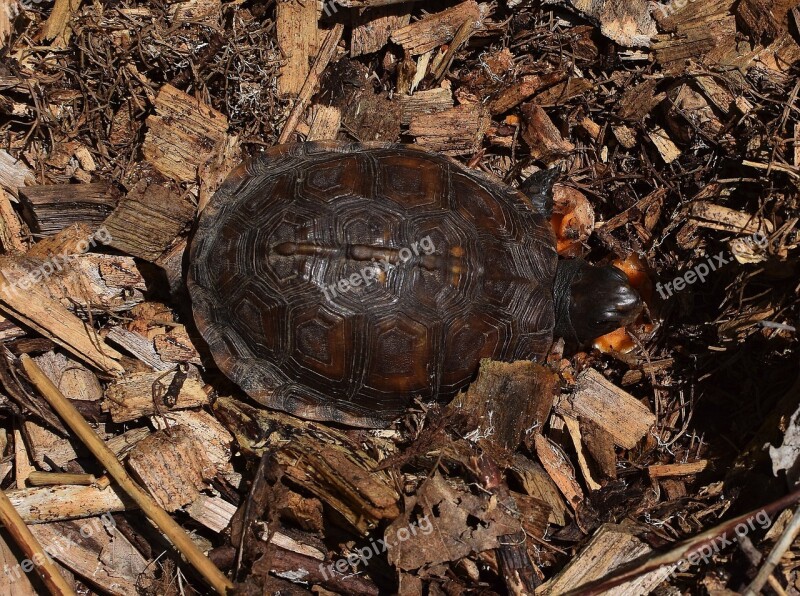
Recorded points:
(146, 221)
(558, 467)
(611, 547)
(42, 504)
(325, 123)
(14, 173)
(299, 38)
(542, 136)
(456, 131)
(615, 411)
(183, 135)
(717, 217)
(432, 101)
(669, 151)
(672, 470)
(372, 28)
(51, 208)
(439, 28)
(528, 391)
(133, 396)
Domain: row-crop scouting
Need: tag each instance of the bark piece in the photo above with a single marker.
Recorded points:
(615, 411)
(536, 483)
(147, 220)
(510, 401)
(173, 467)
(542, 136)
(717, 217)
(627, 22)
(672, 470)
(323, 462)
(558, 467)
(73, 379)
(139, 346)
(51, 208)
(439, 28)
(325, 123)
(456, 131)
(133, 396)
(666, 147)
(511, 96)
(214, 513)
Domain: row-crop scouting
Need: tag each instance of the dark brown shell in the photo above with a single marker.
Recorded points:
(299, 218)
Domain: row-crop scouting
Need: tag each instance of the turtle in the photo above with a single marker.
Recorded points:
(341, 281)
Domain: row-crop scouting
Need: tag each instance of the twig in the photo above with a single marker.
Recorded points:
(100, 450)
(323, 58)
(32, 549)
(774, 557)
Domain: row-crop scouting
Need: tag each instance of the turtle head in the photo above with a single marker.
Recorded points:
(592, 301)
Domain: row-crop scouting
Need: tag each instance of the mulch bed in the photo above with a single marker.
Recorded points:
(641, 460)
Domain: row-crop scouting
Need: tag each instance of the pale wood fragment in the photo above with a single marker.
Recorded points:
(717, 217)
(439, 28)
(14, 173)
(574, 430)
(57, 27)
(300, 39)
(208, 432)
(176, 346)
(46, 447)
(672, 470)
(207, 12)
(666, 147)
(325, 123)
(131, 397)
(139, 346)
(73, 379)
(537, 483)
(215, 513)
(558, 467)
(617, 412)
(610, 548)
(371, 29)
(173, 468)
(22, 461)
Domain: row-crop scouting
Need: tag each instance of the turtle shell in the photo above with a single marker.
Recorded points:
(339, 282)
